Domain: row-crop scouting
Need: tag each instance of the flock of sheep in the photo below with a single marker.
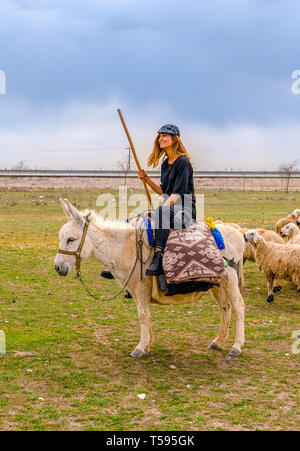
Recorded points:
(276, 258)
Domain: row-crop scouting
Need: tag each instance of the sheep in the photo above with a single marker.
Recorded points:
(283, 221)
(268, 235)
(296, 214)
(292, 231)
(230, 224)
(249, 253)
(234, 250)
(275, 260)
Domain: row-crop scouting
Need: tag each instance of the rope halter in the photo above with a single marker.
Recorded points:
(77, 253)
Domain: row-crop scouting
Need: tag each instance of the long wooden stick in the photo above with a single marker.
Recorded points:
(135, 155)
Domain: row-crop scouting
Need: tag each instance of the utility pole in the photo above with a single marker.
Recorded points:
(129, 156)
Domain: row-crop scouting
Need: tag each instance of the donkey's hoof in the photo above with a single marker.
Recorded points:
(234, 352)
(270, 298)
(214, 347)
(137, 354)
(276, 289)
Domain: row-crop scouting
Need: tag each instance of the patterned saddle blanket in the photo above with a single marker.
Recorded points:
(192, 255)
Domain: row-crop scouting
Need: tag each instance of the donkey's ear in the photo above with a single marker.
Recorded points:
(89, 216)
(65, 208)
(75, 214)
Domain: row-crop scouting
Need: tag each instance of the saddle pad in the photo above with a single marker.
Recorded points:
(159, 297)
(173, 289)
(192, 255)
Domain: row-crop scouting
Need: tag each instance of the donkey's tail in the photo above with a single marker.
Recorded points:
(241, 278)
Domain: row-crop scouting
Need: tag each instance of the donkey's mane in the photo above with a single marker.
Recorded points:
(105, 223)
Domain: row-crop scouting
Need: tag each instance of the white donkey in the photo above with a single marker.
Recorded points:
(114, 244)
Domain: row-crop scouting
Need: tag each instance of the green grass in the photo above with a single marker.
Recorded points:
(73, 352)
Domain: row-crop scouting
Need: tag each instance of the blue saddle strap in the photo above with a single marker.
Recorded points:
(149, 230)
(218, 238)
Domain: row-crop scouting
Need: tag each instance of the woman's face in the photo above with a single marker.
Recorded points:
(165, 140)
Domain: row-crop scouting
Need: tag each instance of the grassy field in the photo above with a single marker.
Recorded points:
(67, 364)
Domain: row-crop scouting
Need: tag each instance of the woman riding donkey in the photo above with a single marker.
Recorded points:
(177, 187)
(109, 241)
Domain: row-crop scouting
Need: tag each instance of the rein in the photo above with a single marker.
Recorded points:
(139, 256)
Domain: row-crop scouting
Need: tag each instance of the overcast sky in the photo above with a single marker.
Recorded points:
(219, 69)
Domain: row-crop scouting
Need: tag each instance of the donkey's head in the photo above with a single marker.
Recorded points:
(70, 238)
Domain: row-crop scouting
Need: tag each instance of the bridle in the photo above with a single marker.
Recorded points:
(77, 253)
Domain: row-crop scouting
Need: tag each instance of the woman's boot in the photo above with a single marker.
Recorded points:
(155, 269)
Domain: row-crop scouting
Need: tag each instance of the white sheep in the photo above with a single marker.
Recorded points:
(230, 224)
(296, 214)
(234, 250)
(276, 261)
(249, 253)
(292, 231)
(284, 221)
(268, 235)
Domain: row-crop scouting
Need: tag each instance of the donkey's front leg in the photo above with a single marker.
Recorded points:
(147, 338)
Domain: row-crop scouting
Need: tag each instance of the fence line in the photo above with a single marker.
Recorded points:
(121, 174)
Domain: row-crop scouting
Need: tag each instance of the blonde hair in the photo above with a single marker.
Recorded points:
(178, 149)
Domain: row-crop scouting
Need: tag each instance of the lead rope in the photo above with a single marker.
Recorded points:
(112, 297)
(139, 254)
(138, 250)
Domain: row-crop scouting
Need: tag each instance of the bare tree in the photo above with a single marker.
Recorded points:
(124, 164)
(288, 168)
(21, 166)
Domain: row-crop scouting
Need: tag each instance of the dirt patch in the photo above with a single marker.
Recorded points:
(24, 354)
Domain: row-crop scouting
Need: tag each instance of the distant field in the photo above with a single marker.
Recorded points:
(237, 183)
(73, 352)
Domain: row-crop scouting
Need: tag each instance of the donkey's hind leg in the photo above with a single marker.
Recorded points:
(229, 296)
(236, 300)
(225, 310)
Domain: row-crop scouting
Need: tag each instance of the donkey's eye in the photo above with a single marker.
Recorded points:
(70, 240)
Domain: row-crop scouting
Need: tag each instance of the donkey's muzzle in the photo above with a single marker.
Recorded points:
(62, 270)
